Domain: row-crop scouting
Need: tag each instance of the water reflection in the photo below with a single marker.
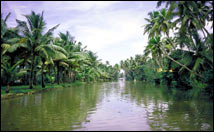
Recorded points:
(165, 113)
(63, 109)
(118, 105)
(122, 83)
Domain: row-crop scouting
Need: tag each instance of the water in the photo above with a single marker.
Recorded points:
(106, 106)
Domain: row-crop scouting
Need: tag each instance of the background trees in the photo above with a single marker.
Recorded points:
(32, 56)
(179, 51)
(180, 45)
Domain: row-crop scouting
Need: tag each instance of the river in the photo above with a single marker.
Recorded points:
(118, 105)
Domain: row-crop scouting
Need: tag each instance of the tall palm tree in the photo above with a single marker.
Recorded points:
(151, 23)
(33, 30)
(158, 23)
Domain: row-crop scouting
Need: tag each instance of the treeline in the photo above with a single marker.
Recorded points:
(31, 56)
(180, 47)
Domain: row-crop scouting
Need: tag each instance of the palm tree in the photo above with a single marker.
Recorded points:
(11, 71)
(59, 60)
(47, 53)
(151, 23)
(4, 27)
(156, 47)
(75, 54)
(159, 22)
(193, 14)
(33, 30)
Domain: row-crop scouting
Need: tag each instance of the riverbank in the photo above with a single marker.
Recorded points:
(21, 90)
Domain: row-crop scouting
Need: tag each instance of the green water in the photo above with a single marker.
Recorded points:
(106, 106)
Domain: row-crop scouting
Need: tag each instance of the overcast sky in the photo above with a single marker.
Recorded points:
(112, 29)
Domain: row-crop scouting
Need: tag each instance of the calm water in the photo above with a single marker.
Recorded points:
(106, 106)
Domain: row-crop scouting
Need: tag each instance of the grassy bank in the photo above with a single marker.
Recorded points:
(24, 89)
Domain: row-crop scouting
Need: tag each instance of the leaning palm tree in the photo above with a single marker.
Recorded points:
(156, 47)
(33, 30)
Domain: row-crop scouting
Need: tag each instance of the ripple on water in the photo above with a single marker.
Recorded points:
(106, 106)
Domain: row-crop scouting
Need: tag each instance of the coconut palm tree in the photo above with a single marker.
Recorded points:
(47, 53)
(151, 23)
(193, 14)
(4, 28)
(156, 48)
(32, 30)
(11, 71)
(158, 23)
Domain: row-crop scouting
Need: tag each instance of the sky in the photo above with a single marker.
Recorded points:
(111, 29)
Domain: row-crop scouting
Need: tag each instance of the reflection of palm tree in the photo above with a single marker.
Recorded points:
(54, 112)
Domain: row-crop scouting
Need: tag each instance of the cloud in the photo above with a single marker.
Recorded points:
(78, 5)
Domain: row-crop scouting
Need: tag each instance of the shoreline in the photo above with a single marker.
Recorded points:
(15, 90)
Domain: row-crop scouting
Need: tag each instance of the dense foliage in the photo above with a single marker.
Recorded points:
(31, 56)
(179, 52)
(180, 48)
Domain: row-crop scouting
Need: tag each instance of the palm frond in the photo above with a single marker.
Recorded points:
(8, 15)
(12, 68)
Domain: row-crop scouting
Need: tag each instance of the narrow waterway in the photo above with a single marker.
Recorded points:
(118, 105)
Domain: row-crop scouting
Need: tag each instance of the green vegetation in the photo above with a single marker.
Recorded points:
(31, 57)
(180, 48)
(179, 52)
(24, 89)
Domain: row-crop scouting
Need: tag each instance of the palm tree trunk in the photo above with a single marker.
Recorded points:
(206, 31)
(208, 34)
(179, 63)
(34, 78)
(8, 85)
(171, 42)
(64, 76)
(69, 75)
(7, 88)
(200, 22)
(158, 63)
(43, 84)
(57, 72)
(31, 72)
(73, 76)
